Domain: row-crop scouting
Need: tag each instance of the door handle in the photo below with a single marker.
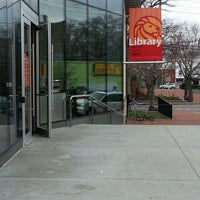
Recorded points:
(22, 99)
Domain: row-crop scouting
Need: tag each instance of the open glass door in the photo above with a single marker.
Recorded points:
(26, 91)
(44, 81)
(26, 82)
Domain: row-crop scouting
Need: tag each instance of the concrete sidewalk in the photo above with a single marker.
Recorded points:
(107, 162)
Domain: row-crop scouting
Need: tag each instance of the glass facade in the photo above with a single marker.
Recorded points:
(87, 42)
(115, 6)
(76, 48)
(32, 4)
(97, 46)
(97, 3)
(86, 38)
(10, 84)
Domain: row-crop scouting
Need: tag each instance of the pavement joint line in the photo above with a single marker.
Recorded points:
(101, 179)
(5, 164)
(181, 149)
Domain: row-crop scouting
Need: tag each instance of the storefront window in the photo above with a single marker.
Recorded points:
(76, 49)
(97, 35)
(9, 42)
(98, 3)
(115, 6)
(4, 143)
(9, 2)
(97, 49)
(76, 31)
(114, 38)
(83, 1)
(33, 4)
(53, 10)
(92, 43)
(114, 53)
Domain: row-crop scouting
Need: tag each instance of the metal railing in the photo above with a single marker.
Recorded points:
(93, 102)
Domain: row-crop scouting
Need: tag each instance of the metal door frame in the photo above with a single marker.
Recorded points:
(28, 17)
(40, 127)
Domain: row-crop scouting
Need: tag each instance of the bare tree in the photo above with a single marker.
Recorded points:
(151, 3)
(154, 3)
(182, 47)
(149, 72)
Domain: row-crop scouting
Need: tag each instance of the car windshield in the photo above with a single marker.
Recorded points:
(98, 95)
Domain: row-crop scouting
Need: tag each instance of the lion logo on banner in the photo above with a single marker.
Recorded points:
(148, 27)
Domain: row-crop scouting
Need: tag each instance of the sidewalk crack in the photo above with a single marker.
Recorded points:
(185, 156)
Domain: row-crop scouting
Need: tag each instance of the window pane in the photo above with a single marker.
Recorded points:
(57, 38)
(76, 30)
(9, 2)
(115, 6)
(114, 38)
(83, 1)
(97, 34)
(97, 49)
(10, 41)
(76, 50)
(4, 71)
(98, 3)
(54, 9)
(33, 4)
(114, 52)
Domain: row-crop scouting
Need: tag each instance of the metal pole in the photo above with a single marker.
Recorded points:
(124, 70)
(92, 111)
(70, 112)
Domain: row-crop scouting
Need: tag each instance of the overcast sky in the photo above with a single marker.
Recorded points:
(184, 10)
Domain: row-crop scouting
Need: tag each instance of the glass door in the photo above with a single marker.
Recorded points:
(26, 82)
(44, 81)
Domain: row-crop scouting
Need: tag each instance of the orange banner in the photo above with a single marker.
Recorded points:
(145, 34)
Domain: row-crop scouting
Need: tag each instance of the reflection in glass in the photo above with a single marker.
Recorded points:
(57, 38)
(76, 49)
(33, 4)
(54, 10)
(42, 97)
(27, 79)
(9, 2)
(76, 31)
(97, 35)
(9, 43)
(92, 52)
(4, 71)
(115, 6)
(114, 37)
(97, 48)
(98, 3)
(83, 1)
(114, 52)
